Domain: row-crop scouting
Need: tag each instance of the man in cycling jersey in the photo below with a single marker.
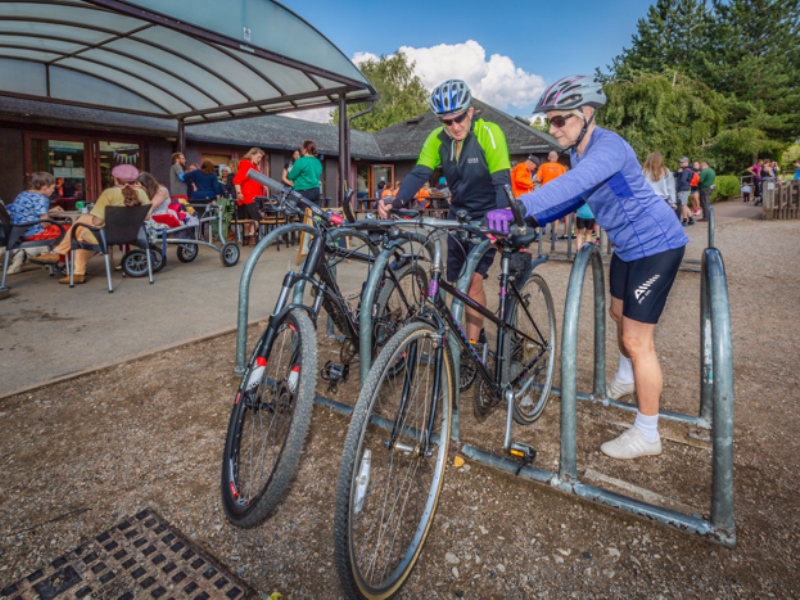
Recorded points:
(474, 157)
(648, 243)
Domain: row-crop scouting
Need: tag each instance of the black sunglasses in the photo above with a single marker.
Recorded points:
(458, 119)
(560, 120)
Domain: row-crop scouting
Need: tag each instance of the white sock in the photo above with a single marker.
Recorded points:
(625, 369)
(647, 425)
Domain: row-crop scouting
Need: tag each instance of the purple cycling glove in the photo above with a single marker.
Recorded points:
(499, 219)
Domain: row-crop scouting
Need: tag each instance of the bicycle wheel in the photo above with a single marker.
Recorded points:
(533, 352)
(388, 490)
(397, 302)
(269, 421)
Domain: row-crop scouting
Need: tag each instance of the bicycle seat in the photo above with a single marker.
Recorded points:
(522, 241)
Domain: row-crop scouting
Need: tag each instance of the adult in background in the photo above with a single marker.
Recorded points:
(683, 188)
(660, 178)
(648, 243)
(546, 173)
(288, 167)
(796, 164)
(205, 182)
(522, 176)
(247, 190)
(177, 187)
(306, 172)
(158, 194)
(707, 177)
(696, 190)
(473, 155)
(124, 193)
(755, 171)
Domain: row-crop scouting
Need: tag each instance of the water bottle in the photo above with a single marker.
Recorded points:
(362, 480)
(256, 374)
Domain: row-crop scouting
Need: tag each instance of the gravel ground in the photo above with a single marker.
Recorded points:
(77, 455)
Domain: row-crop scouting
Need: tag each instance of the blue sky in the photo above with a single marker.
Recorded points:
(506, 51)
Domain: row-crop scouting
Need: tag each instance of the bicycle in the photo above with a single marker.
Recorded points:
(396, 448)
(273, 403)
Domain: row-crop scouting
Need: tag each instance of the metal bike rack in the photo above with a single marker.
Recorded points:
(244, 288)
(716, 402)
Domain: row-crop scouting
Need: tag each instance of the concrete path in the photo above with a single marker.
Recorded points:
(48, 331)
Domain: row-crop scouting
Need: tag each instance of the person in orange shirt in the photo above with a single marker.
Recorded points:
(423, 196)
(546, 173)
(521, 182)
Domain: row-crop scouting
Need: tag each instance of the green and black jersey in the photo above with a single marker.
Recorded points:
(475, 177)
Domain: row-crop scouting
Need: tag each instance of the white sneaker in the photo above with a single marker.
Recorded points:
(16, 262)
(631, 444)
(617, 390)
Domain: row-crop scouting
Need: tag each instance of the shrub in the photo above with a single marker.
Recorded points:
(728, 186)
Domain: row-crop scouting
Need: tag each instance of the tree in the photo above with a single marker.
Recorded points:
(667, 113)
(673, 36)
(402, 95)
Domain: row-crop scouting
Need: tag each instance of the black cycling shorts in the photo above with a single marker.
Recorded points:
(581, 223)
(644, 284)
(456, 258)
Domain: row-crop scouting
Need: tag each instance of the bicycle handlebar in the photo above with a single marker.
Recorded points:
(278, 188)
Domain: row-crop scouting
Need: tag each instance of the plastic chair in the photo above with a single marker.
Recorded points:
(124, 225)
(11, 239)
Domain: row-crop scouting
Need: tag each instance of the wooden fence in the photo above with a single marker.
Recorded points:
(781, 199)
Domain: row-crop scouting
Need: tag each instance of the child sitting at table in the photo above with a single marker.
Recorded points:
(33, 205)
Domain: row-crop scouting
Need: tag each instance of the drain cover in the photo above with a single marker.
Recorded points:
(140, 557)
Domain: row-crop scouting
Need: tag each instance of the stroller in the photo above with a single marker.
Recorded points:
(188, 231)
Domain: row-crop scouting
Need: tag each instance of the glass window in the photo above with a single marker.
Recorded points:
(65, 160)
(117, 153)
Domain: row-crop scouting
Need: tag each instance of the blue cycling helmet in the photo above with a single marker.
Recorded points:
(572, 92)
(450, 97)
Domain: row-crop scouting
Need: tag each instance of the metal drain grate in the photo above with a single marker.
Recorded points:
(141, 557)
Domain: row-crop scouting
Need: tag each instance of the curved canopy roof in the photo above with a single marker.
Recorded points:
(193, 60)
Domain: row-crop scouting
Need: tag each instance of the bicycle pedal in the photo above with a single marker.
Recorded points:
(523, 452)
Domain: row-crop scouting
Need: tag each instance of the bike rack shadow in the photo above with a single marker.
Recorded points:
(716, 403)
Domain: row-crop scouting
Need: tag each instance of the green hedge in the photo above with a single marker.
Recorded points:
(728, 186)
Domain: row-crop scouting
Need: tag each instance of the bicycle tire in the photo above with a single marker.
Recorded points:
(253, 486)
(360, 576)
(390, 311)
(536, 293)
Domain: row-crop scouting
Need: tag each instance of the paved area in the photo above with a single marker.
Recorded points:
(49, 331)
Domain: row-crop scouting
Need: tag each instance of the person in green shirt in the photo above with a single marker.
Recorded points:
(306, 172)
(707, 177)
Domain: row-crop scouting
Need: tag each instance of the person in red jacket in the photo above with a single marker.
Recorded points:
(247, 190)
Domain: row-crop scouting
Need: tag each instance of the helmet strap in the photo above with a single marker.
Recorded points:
(586, 123)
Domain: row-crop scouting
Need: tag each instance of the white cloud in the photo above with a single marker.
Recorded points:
(496, 81)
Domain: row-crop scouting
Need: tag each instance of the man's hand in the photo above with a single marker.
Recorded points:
(384, 208)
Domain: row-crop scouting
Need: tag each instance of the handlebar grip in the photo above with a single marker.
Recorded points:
(519, 217)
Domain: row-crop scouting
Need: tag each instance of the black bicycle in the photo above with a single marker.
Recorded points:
(272, 408)
(396, 448)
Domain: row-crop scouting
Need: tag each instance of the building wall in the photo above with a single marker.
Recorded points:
(12, 164)
(159, 160)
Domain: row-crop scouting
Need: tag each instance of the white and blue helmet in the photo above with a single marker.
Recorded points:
(450, 97)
